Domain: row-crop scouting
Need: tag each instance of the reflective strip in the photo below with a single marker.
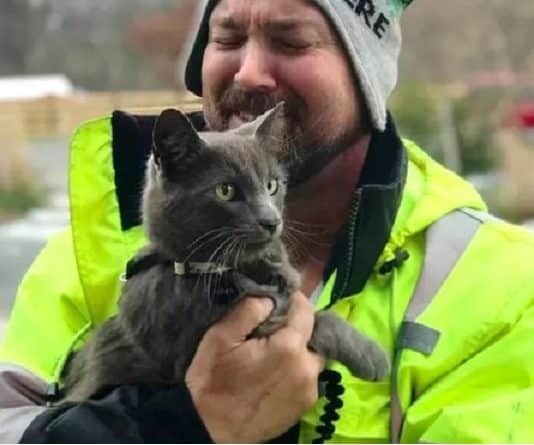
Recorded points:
(446, 241)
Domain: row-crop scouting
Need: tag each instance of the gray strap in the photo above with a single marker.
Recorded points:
(446, 241)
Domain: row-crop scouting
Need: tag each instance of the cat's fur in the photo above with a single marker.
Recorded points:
(162, 315)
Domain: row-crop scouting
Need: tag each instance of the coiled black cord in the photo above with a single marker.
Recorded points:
(331, 381)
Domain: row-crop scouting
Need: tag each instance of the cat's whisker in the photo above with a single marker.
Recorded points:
(240, 247)
(313, 238)
(237, 259)
(294, 222)
(298, 250)
(223, 245)
(294, 251)
(214, 237)
(303, 236)
(219, 254)
(226, 254)
(243, 229)
(293, 236)
(208, 277)
(209, 236)
(204, 235)
(233, 251)
(217, 230)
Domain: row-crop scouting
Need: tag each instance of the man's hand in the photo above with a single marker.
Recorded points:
(254, 390)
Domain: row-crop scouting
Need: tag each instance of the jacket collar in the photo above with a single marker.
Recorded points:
(131, 144)
(375, 203)
(360, 243)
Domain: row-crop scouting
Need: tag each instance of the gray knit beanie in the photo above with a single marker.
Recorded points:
(370, 31)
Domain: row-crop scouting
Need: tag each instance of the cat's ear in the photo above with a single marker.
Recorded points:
(175, 141)
(270, 124)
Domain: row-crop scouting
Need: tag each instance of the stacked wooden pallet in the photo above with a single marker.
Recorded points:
(58, 116)
(13, 156)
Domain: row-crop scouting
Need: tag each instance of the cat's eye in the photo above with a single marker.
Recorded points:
(225, 191)
(272, 187)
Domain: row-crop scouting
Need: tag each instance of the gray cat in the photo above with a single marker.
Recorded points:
(212, 209)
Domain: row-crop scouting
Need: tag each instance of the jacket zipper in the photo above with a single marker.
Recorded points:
(352, 226)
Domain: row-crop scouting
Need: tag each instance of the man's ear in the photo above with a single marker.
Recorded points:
(175, 141)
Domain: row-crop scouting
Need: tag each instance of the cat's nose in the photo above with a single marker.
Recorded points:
(271, 226)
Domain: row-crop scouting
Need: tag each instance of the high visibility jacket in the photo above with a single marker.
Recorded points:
(476, 385)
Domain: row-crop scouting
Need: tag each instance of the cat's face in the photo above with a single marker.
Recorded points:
(213, 196)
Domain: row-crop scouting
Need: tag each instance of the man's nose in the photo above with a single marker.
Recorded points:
(255, 72)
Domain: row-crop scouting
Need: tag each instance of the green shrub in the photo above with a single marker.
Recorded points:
(20, 197)
(416, 115)
(476, 119)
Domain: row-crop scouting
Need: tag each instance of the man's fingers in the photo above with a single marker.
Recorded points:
(246, 316)
(252, 311)
(319, 361)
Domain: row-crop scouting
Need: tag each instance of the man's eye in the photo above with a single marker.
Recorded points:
(228, 42)
(293, 46)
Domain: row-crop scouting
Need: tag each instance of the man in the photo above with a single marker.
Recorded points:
(391, 241)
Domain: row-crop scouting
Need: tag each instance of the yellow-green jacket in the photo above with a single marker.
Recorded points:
(475, 385)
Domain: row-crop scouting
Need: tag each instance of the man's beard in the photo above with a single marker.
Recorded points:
(307, 156)
(305, 151)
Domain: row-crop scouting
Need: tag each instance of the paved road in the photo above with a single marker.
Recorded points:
(20, 242)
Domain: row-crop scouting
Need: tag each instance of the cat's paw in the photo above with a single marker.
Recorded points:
(284, 277)
(336, 339)
(269, 326)
(249, 287)
(293, 279)
(370, 364)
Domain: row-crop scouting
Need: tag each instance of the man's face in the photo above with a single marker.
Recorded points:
(261, 52)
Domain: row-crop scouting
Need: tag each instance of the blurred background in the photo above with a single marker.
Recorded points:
(466, 94)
